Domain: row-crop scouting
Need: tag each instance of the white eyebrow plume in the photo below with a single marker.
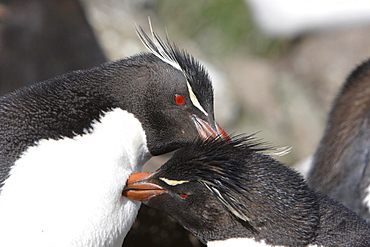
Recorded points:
(173, 182)
(165, 52)
(225, 201)
(159, 48)
(194, 99)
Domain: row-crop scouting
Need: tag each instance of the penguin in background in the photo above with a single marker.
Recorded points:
(341, 167)
(230, 193)
(69, 144)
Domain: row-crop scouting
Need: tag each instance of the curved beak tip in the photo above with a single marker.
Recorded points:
(141, 194)
(221, 132)
(205, 130)
(138, 189)
(138, 177)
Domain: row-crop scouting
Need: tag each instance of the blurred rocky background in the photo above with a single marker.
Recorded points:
(278, 80)
(276, 64)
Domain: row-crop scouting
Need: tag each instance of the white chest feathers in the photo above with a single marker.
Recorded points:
(68, 192)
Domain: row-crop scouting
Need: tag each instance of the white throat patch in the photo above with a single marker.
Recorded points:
(67, 192)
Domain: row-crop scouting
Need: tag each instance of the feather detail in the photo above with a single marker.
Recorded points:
(278, 151)
(168, 53)
(161, 49)
(226, 201)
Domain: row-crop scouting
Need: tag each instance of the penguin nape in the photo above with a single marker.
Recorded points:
(229, 193)
(69, 144)
(341, 167)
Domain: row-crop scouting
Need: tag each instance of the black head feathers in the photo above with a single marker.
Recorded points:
(200, 86)
(230, 169)
(221, 190)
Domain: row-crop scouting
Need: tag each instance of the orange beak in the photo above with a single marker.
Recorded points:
(205, 130)
(136, 188)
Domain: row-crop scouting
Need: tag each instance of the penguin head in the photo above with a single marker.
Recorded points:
(229, 189)
(170, 93)
(193, 188)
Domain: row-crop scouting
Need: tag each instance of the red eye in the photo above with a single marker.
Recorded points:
(183, 195)
(179, 99)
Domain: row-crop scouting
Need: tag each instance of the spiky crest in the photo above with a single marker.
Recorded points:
(194, 73)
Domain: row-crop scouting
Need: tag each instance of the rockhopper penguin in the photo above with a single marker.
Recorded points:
(341, 164)
(68, 144)
(232, 194)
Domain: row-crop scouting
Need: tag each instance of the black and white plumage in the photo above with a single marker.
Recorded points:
(231, 194)
(341, 166)
(69, 144)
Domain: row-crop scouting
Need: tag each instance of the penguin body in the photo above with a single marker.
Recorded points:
(341, 167)
(87, 195)
(230, 192)
(68, 144)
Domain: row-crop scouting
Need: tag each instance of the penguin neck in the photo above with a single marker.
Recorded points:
(58, 108)
(74, 186)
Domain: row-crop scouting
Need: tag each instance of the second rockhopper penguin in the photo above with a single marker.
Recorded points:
(232, 194)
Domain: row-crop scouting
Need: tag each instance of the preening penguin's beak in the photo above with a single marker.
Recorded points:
(136, 188)
(205, 129)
